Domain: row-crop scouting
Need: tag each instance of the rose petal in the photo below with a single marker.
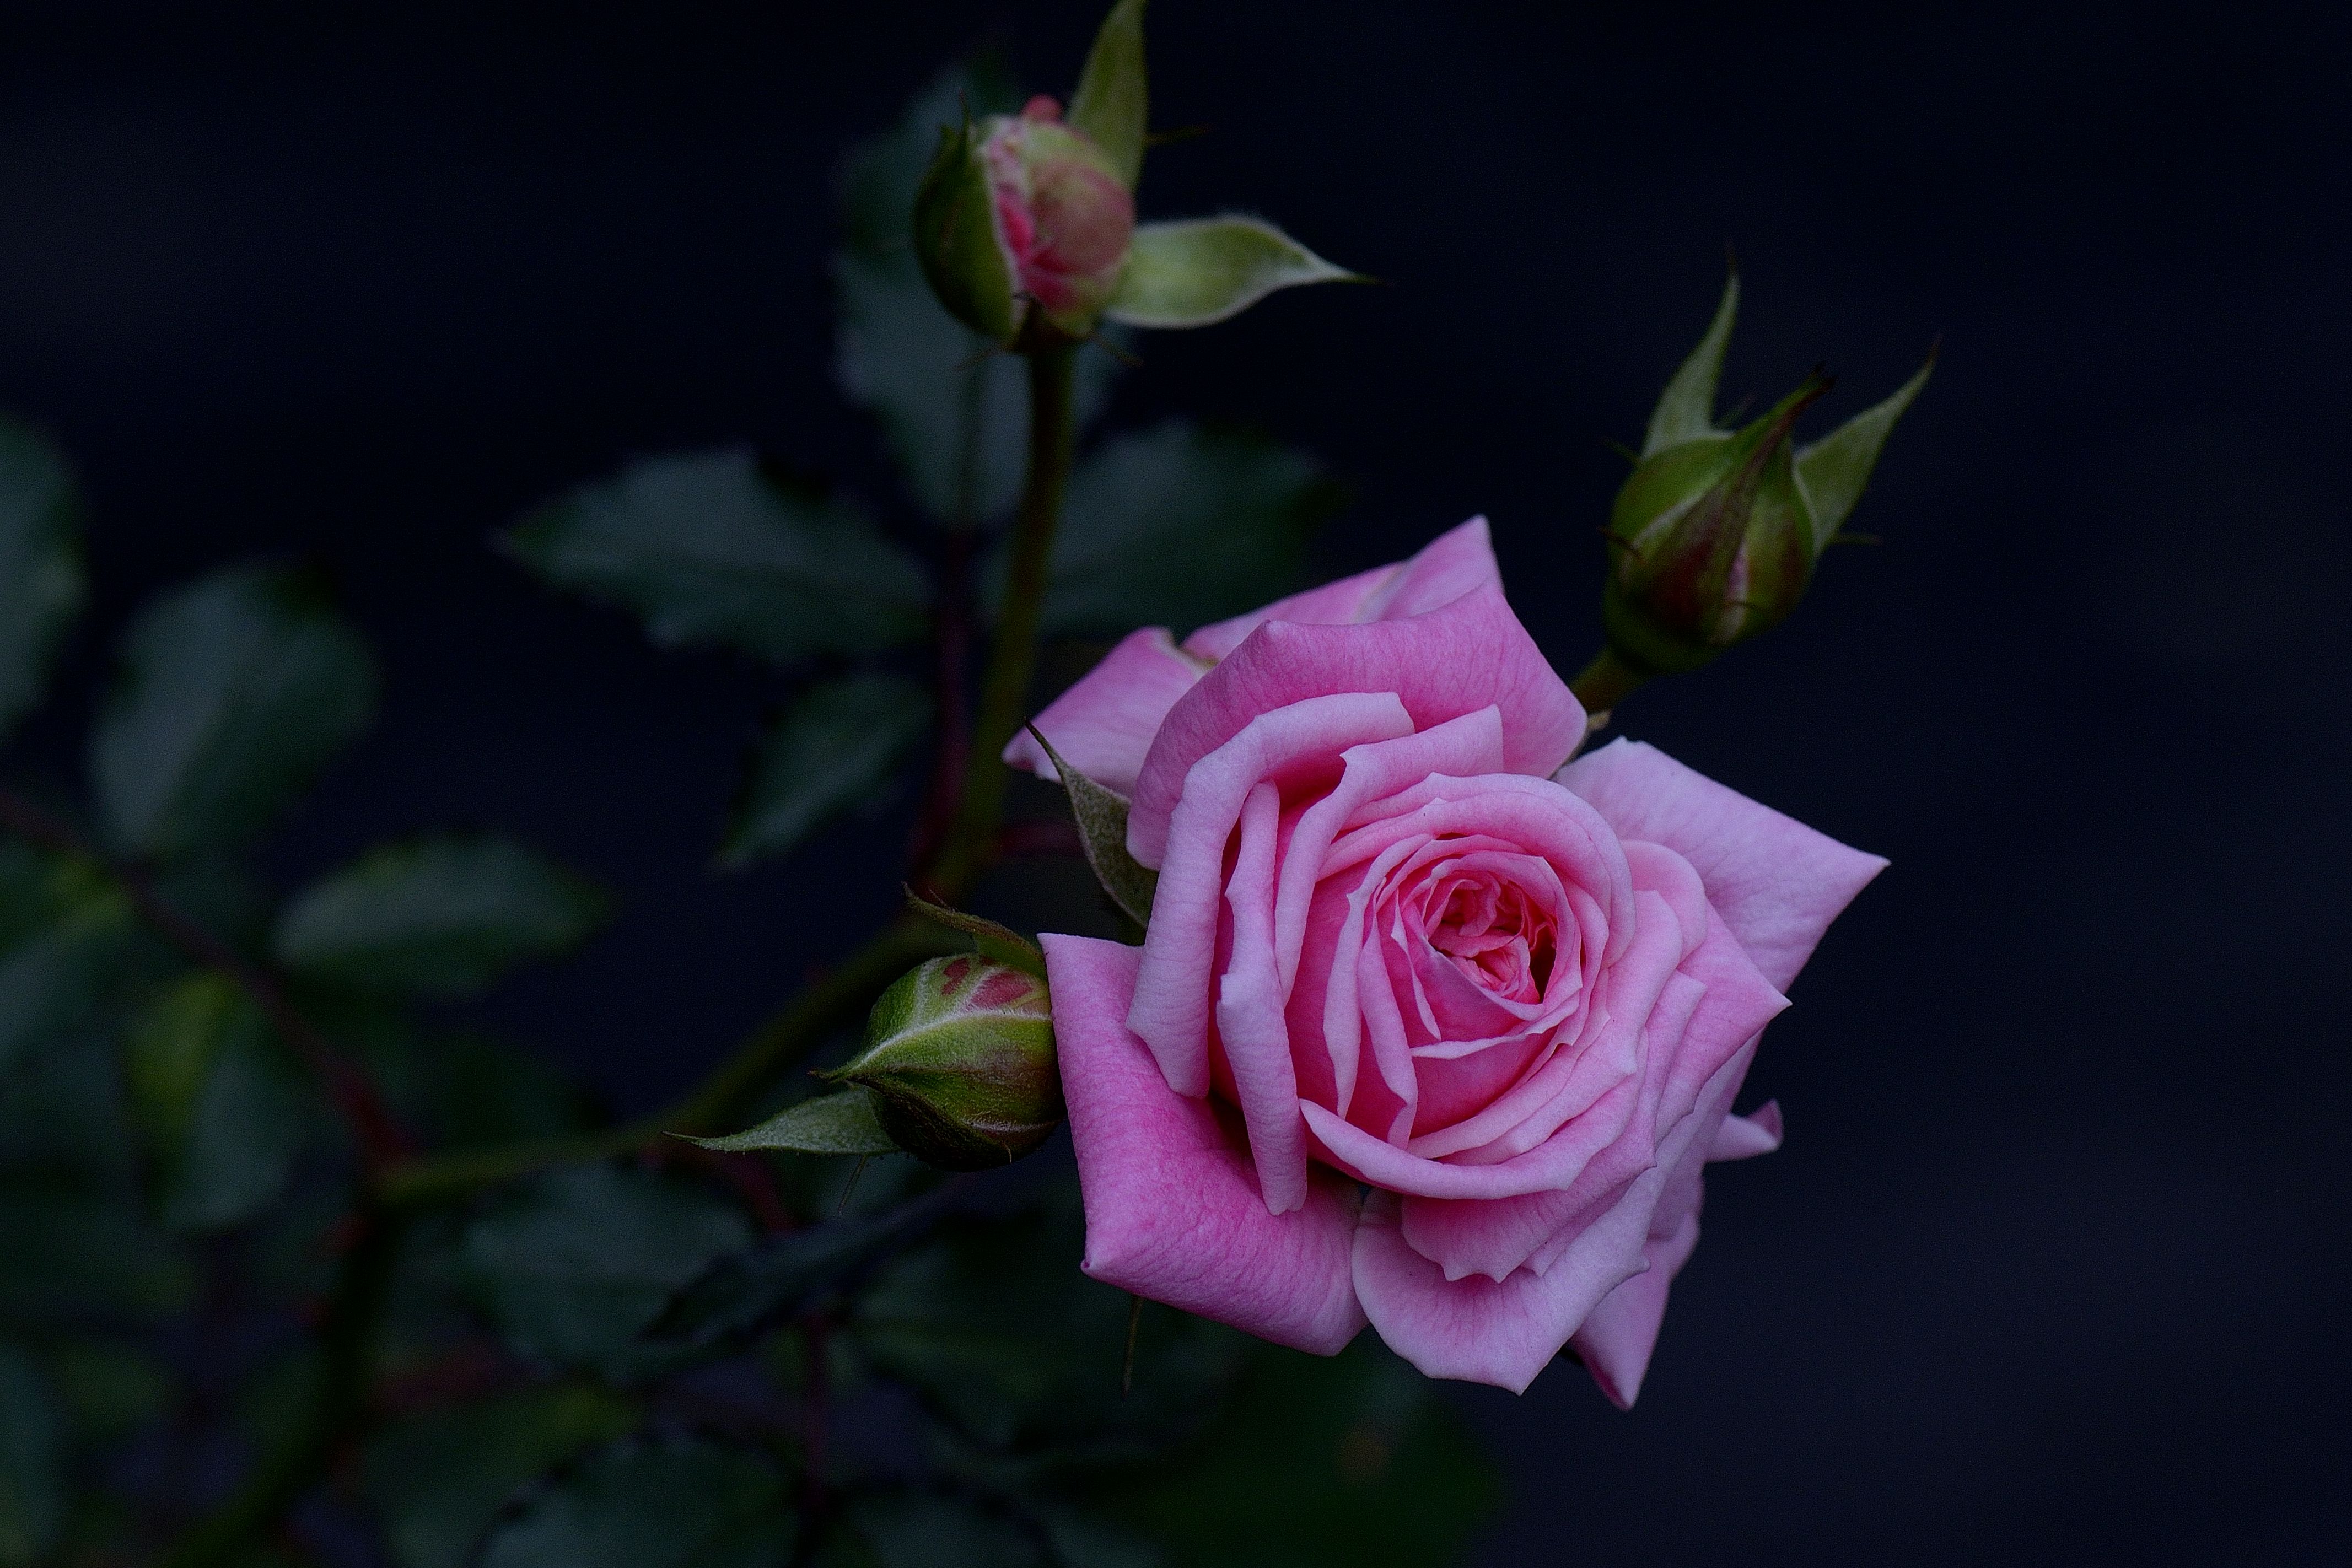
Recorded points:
(1104, 724)
(1776, 882)
(1617, 1336)
(1249, 1014)
(1477, 1329)
(1466, 655)
(1448, 567)
(1172, 991)
(1173, 1209)
(1742, 1137)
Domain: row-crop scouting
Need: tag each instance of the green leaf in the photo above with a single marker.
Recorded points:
(779, 1278)
(707, 549)
(834, 750)
(1008, 1342)
(218, 1100)
(653, 1504)
(1685, 410)
(438, 916)
(1832, 471)
(955, 409)
(440, 1480)
(571, 1266)
(1195, 272)
(32, 1462)
(991, 940)
(481, 1090)
(1349, 1462)
(1179, 526)
(1101, 816)
(107, 1390)
(233, 693)
(57, 979)
(1111, 104)
(910, 1528)
(70, 1246)
(838, 1123)
(40, 563)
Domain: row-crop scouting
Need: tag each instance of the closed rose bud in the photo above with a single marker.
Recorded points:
(1022, 225)
(1714, 537)
(960, 1060)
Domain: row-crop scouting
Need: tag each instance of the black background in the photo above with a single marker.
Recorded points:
(2052, 1267)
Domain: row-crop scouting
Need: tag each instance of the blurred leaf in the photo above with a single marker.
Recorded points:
(675, 1504)
(68, 1247)
(61, 1109)
(1180, 526)
(439, 1480)
(1004, 1337)
(1111, 103)
(56, 979)
(779, 1277)
(1101, 815)
(233, 693)
(218, 1100)
(571, 1267)
(1196, 272)
(108, 1390)
(32, 1462)
(1685, 410)
(1350, 1462)
(707, 549)
(954, 410)
(836, 749)
(840, 1124)
(1833, 472)
(910, 1528)
(40, 563)
(484, 1091)
(438, 916)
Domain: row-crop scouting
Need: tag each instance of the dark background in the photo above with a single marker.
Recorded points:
(2052, 1268)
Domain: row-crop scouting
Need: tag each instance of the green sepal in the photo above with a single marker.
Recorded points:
(991, 940)
(838, 1123)
(1832, 471)
(1101, 817)
(1685, 410)
(1111, 104)
(956, 242)
(959, 1057)
(1195, 272)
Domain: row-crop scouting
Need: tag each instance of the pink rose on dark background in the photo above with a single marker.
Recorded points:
(1397, 949)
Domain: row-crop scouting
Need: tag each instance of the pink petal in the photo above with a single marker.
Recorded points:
(1477, 1329)
(1104, 724)
(1249, 1014)
(1776, 882)
(1172, 993)
(1448, 567)
(1618, 1335)
(1173, 1210)
(1743, 1137)
(1452, 661)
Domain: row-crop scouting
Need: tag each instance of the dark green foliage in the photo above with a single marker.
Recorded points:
(905, 1528)
(233, 693)
(41, 564)
(572, 1266)
(833, 750)
(32, 1461)
(709, 549)
(1179, 526)
(440, 1481)
(783, 1275)
(219, 1102)
(441, 916)
(652, 1504)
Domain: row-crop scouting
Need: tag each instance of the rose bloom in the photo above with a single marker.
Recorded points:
(1427, 1028)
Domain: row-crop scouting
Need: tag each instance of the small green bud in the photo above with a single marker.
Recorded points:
(960, 1060)
(1022, 224)
(1715, 535)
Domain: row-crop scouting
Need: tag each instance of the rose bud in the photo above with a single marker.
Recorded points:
(960, 1058)
(1022, 224)
(1714, 536)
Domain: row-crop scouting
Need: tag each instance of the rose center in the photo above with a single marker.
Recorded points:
(1495, 936)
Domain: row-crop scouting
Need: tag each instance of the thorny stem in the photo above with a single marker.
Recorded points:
(377, 1136)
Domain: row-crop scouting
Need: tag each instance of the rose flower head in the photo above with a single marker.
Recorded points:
(1427, 1028)
(1714, 536)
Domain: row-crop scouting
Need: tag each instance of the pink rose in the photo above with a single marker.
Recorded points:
(1399, 950)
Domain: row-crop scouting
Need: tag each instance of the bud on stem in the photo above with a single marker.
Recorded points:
(960, 1060)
